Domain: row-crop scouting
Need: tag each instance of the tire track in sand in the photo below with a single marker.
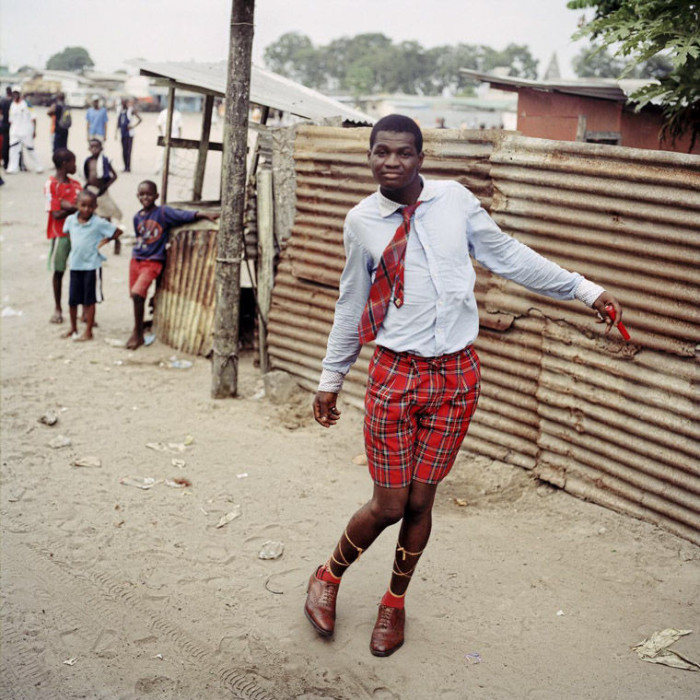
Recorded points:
(96, 590)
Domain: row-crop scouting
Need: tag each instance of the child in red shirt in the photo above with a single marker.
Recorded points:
(61, 194)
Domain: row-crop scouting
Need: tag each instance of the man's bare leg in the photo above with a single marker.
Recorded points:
(385, 508)
(136, 339)
(413, 536)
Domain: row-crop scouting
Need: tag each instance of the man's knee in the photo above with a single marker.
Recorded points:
(388, 511)
(420, 499)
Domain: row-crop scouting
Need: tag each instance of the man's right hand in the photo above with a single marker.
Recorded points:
(325, 411)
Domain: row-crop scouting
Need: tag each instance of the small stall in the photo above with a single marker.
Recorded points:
(184, 310)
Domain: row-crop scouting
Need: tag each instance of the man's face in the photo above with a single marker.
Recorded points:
(394, 160)
(95, 148)
(147, 196)
(15, 96)
(95, 104)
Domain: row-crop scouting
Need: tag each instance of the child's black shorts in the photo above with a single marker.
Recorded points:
(85, 287)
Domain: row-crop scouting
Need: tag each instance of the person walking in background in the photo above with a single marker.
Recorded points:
(127, 121)
(61, 193)
(412, 288)
(61, 121)
(176, 133)
(22, 133)
(5, 103)
(99, 177)
(96, 118)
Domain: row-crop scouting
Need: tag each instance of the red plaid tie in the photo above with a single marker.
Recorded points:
(388, 280)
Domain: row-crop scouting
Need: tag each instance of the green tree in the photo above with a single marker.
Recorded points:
(371, 62)
(644, 30)
(448, 60)
(292, 56)
(72, 58)
(658, 67)
(597, 62)
(517, 57)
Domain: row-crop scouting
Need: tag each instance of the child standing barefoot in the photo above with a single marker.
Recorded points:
(61, 192)
(88, 233)
(152, 226)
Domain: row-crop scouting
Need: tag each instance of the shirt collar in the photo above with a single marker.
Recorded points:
(387, 206)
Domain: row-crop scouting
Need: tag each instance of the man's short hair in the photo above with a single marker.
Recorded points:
(61, 156)
(400, 124)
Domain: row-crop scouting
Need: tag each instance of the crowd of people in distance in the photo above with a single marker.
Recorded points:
(82, 217)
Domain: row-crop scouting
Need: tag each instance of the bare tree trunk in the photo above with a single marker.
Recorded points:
(230, 236)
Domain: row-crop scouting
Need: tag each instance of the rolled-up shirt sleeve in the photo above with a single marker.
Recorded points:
(355, 282)
(513, 260)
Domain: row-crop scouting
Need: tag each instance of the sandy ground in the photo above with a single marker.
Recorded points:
(109, 591)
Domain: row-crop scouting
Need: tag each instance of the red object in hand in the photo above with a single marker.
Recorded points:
(620, 326)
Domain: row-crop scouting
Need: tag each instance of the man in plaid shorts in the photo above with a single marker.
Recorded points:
(408, 282)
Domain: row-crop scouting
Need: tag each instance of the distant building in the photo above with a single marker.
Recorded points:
(486, 112)
(43, 85)
(592, 110)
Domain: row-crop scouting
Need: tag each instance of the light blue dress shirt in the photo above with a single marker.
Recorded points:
(439, 313)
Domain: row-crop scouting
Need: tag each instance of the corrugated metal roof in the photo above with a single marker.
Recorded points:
(602, 88)
(266, 88)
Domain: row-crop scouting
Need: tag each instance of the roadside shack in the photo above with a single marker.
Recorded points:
(184, 312)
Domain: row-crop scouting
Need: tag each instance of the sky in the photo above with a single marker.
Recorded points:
(198, 30)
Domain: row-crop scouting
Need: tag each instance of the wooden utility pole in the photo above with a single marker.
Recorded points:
(168, 136)
(230, 235)
(203, 148)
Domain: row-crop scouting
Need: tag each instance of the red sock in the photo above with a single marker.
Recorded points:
(393, 601)
(324, 574)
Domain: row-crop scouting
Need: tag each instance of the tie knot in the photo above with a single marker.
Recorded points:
(407, 212)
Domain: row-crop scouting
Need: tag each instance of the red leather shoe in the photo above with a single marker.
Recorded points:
(320, 604)
(387, 635)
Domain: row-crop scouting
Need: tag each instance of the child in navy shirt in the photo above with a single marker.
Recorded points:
(88, 233)
(152, 226)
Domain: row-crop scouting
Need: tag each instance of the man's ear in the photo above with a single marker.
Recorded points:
(369, 153)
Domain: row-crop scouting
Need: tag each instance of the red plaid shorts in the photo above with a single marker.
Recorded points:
(417, 412)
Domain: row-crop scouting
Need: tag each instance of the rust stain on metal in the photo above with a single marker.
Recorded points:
(608, 421)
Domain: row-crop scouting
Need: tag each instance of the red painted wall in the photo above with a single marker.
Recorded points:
(550, 115)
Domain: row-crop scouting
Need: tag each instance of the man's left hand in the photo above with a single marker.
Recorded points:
(599, 305)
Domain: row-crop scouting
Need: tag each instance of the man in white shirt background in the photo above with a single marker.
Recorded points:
(22, 134)
(176, 133)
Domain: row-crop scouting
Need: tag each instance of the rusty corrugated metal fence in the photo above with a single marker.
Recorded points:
(184, 313)
(608, 421)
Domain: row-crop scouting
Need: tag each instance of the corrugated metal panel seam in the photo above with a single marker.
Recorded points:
(608, 421)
